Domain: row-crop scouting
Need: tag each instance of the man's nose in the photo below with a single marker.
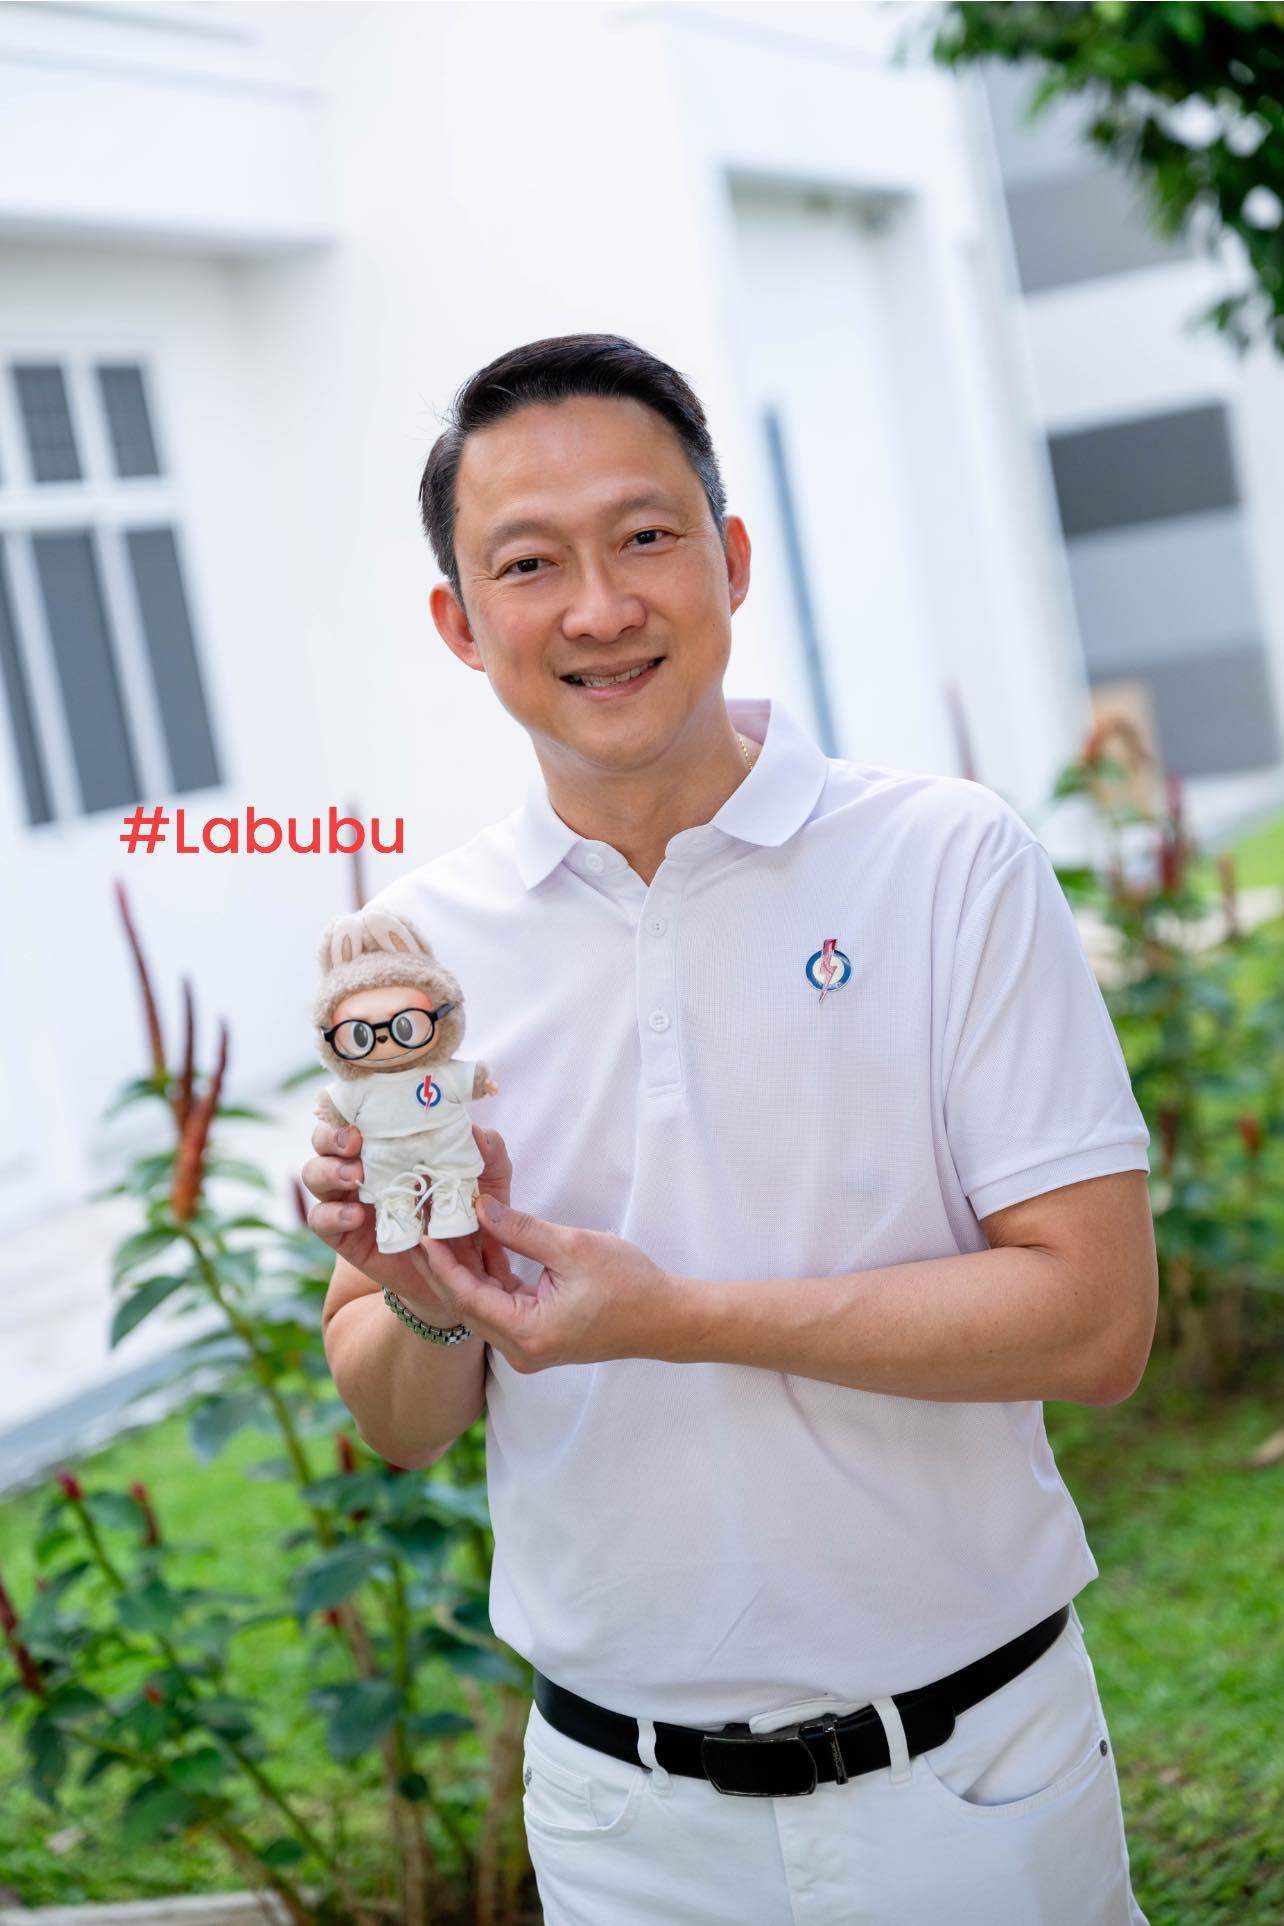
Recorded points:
(600, 607)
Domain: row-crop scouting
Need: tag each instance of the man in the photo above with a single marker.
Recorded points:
(829, 1171)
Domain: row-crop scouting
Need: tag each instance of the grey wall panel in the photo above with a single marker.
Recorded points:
(1155, 590)
(1215, 714)
(1083, 226)
(1030, 150)
(1144, 470)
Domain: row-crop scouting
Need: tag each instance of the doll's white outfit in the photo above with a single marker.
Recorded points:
(417, 1141)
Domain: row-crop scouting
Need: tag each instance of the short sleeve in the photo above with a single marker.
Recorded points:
(458, 1079)
(1037, 1092)
(346, 1097)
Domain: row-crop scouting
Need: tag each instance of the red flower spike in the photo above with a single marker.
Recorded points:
(151, 1535)
(28, 1670)
(1169, 1128)
(183, 1104)
(1251, 1131)
(332, 1616)
(347, 1456)
(153, 1695)
(70, 1485)
(189, 1164)
(150, 1012)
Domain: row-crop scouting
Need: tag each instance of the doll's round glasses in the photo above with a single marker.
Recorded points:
(355, 1038)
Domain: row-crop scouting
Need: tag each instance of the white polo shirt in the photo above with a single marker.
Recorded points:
(700, 1542)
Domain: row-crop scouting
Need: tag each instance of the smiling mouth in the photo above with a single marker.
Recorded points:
(613, 681)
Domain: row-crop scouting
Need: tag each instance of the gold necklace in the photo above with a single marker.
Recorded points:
(745, 746)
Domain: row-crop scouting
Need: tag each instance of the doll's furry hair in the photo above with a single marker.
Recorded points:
(369, 949)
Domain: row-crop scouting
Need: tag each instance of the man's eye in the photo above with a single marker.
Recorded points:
(519, 563)
(648, 531)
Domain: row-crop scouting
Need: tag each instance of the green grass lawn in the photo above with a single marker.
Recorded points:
(1259, 860)
(1183, 1629)
(1259, 856)
(1182, 1626)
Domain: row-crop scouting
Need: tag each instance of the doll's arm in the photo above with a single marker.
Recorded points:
(482, 1085)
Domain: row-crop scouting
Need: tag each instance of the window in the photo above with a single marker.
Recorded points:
(1163, 582)
(100, 673)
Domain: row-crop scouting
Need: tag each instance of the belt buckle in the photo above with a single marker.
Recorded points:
(721, 1748)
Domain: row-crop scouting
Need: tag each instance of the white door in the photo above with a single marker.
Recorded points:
(816, 320)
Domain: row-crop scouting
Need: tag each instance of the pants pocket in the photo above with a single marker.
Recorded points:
(1026, 1743)
(1023, 1801)
(573, 1792)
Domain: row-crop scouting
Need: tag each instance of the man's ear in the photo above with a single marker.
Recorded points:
(453, 626)
(737, 551)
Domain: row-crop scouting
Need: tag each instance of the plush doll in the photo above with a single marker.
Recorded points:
(389, 1019)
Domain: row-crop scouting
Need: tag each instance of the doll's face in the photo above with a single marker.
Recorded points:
(379, 1006)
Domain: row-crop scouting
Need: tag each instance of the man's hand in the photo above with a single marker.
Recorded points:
(348, 1226)
(596, 1297)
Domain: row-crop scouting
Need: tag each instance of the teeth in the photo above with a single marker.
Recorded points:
(604, 681)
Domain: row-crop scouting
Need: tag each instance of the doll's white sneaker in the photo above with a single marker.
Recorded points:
(398, 1219)
(452, 1207)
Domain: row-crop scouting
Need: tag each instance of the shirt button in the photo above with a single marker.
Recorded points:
(657, 925)
(594, 861)
(659, 1020)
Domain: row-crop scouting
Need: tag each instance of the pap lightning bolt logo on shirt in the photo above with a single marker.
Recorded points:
(828, 969)
(428, 1092)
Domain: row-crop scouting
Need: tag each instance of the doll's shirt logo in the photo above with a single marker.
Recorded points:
(428, 1092)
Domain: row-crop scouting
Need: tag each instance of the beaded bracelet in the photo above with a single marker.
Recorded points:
(436, 1333)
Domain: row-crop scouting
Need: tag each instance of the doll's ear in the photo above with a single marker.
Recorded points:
(390, 933)
(342, 941)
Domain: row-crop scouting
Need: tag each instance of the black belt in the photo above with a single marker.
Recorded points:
(797, 1758)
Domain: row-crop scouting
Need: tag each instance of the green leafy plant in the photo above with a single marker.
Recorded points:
(1198, 1004)
(119, 1668)
(1187, 99)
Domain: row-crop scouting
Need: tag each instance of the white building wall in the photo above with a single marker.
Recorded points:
(491, 175)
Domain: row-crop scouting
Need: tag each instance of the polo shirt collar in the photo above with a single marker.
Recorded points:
(774, 800)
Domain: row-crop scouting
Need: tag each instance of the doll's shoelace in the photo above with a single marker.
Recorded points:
(449, 1196)
(449, 1193)
(408, 1191)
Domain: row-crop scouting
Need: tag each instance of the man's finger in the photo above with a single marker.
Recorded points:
(528, 1235)
(336, 1140)
(334, 1223)
(331, 1178)
(488, 1302)
(498, 1165)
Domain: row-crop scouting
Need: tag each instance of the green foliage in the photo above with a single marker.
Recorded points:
(125, 1668)
(1188, 100)
(1197, 1001)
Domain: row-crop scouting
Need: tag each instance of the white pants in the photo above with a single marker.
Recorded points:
(1014, 1821)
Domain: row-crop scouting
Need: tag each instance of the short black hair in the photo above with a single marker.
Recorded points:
(553, 370)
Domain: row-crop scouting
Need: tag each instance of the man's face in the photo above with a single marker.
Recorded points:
(585, 542)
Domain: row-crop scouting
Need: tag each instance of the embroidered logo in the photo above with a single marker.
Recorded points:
(428, 1092)
(829, 968)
